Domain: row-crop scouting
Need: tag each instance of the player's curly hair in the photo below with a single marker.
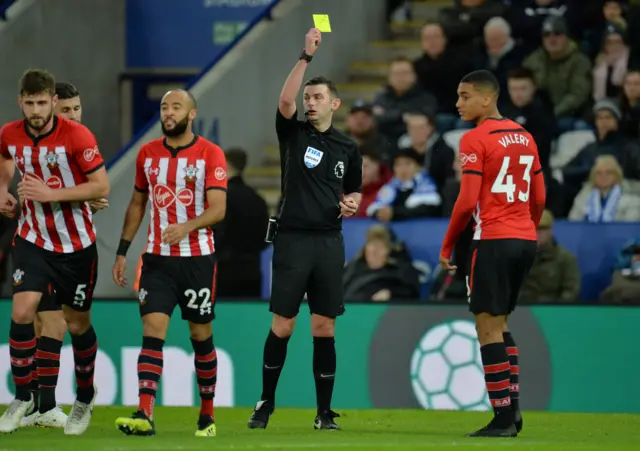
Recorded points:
(37, 81)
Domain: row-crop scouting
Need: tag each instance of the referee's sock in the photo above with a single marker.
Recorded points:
(324, 370)
(48, 362)
(22, 350)
(512, 352)
(275, 353)
(497, 378)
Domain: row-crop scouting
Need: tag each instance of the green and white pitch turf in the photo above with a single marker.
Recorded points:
(292, 429)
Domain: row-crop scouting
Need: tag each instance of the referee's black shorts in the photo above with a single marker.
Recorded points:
(496, 271)
(311, 263)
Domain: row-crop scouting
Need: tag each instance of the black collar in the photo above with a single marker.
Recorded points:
(327, 132)
(174, 151)
(38, 138)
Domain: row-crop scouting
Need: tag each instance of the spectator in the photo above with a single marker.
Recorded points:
(609, 141)
(375, 175)
(630, 105)
(563, 72)
(437, 156)
(611, 64)
(439, 72)
(527, 108)
(240, 236)
(361, 127)
(451, 189)
(602, 15)
(464, 21)
(625, 284)
(554, 276)
(607, 197)
(401, 96)
(410, 194)
(501, 54)
(527, 16)
(375, 275)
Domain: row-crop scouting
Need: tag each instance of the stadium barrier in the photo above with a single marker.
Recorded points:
(388, 357)
(596, 247)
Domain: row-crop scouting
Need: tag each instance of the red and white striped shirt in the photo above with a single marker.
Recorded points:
(61, 158)
(177, 181)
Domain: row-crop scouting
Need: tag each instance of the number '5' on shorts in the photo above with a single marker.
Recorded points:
(188, 282)
(62, 278)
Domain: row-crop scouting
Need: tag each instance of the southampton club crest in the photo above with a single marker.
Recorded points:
(17, 277)
(52, 160)
(190, 174)
(142, 296)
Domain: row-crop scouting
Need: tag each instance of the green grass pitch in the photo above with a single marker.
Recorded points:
(292, 429)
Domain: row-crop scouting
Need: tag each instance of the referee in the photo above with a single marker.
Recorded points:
(321, 183)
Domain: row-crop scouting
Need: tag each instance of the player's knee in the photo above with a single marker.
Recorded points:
(77, 322)
(322, 326)
(155, 325)
(24, 308)
(283, 326)
(53, 325)
(200, 332)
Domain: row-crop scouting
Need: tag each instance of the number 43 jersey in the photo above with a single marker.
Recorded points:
(506, 157)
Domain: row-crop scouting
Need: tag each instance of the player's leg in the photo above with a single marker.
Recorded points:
(524, 254)
(157, 298)
(489, 302)
(325, 304)
(52, 313)
(48, 362)
(76, 277)
(197, 303)
(290, 274)
(30, 280)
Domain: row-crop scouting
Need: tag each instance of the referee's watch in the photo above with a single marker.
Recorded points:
(306, 57)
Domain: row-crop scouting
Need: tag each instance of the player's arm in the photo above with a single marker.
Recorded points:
(132, 218)
(537, 192)
(96, 187)
(7, 167)
(470, 186)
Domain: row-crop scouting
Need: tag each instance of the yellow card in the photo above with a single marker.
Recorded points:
(321, 22)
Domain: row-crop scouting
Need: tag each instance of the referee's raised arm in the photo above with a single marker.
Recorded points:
(287, 103)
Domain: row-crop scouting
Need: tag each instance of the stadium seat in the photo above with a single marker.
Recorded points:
(453, 137)
(568, 146)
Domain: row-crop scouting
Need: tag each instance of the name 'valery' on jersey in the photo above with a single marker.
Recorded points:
(513, 138)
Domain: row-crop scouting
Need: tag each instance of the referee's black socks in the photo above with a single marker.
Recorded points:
(324, 370)
(275, 353)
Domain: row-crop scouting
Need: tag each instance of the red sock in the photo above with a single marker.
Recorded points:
(206, 407)
(146, 404)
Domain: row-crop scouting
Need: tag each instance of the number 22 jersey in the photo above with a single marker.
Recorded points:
(505, 155)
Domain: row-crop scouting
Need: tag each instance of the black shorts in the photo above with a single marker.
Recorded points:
(496, 271)
(311, 263)
(67, 279)
(189, 282)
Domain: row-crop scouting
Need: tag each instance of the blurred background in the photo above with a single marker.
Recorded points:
(569, 72)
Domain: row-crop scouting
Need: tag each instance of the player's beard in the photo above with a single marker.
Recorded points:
(35, 127)
(178, 129)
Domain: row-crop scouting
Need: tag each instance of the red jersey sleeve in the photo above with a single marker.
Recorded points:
(85, 149)
(215, 169)
(4, 151)
(471, 154)
(141, 183)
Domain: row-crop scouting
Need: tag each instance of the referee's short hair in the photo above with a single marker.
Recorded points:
(65, 90)
(482, 80)
(331, 86)
(236, 158)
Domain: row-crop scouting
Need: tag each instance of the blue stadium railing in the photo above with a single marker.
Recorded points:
(596, 247)
(140, 133)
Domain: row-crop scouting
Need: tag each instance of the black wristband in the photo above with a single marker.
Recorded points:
(306, 57)
(123, 247)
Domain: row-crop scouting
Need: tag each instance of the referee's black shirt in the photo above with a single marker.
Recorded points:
(318, 168)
